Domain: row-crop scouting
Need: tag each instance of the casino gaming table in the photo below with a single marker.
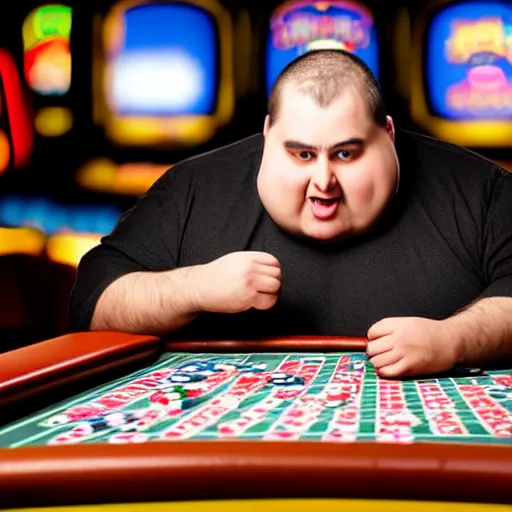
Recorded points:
(111, 421)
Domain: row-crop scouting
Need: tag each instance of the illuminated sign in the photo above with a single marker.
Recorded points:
(297, 27)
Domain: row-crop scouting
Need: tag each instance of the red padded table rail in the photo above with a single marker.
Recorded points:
(283, 344)
(37, 368)
(159, 471)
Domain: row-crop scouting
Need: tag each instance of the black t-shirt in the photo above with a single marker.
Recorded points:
(445, 242)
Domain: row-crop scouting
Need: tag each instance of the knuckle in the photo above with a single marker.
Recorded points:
(248, 280)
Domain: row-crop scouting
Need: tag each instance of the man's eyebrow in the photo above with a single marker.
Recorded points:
(295, 144)
(356, 141)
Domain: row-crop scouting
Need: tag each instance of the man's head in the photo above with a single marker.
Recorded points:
(329, 166)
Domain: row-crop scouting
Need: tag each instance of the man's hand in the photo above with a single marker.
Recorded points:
(409, 346)
(238, 281)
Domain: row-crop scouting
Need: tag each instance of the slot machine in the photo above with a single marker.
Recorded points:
(162, 89)
(296, 27)
(461, 82)
(285, 30)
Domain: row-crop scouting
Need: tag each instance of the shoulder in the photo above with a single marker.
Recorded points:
(447, 176)
(228, 162)
(435, 156)
(235, 151)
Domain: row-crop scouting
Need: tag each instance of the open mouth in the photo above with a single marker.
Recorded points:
(323, 209)
(324, 202)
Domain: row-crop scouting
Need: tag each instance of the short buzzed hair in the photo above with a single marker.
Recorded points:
(324, 75)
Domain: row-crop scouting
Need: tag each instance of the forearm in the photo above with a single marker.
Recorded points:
(483, 331)
(148, 302)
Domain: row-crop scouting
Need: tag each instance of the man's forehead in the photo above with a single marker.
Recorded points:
(315, 132)
(301, 112)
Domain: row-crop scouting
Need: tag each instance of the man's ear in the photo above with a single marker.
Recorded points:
(266, 125)
(390, 127)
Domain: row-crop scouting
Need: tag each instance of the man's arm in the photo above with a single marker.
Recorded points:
(482, 332)
(410, 346)
(148, 302)
(131, 265)
(478, 334)
(162, 302)
(483, 329)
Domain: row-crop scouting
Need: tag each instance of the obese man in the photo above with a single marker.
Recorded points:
(330, 222)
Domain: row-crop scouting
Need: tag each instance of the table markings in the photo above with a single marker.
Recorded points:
(207, 415)
(368, 403)
(440, 410)
(343, 400)
(492, 415)
(34, 421)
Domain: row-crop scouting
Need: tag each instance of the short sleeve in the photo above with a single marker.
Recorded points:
(497, 239)
(145, 238)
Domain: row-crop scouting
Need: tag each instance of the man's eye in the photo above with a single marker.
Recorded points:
(305, 155)
(344, 154)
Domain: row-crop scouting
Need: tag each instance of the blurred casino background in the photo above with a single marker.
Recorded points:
(98, 98)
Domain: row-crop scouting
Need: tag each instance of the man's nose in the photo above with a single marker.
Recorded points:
(323, 176)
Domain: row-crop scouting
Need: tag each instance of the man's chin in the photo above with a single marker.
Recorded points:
(327, 234)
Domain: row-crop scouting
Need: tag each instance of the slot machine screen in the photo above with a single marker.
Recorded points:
(469, 61)
(297, 27)
(165, 73)
(462, 84)
(163, 68)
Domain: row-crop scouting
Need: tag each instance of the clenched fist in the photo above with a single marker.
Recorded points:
(239, 281)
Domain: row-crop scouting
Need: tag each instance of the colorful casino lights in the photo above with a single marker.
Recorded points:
(49, 217)
(65, 232)
(130, 179)
(69, 248)
(15, 128)
(22, 241)
(47, 55)
(46, 35)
